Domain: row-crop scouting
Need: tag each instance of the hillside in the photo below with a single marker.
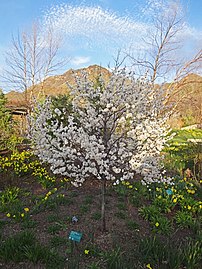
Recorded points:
(187, 93)
(54, 85)
(187, 96)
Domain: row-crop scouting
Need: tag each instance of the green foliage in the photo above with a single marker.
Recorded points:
(192, 254)
(184, 219)
(187, 254)
(161, 224)
(9, 196)
(117, 259)
(60, 103)
(12, 249)
(165, 207)
(24, 246)
(113, 259)
(8, 137)
(149, 212)
(160, 254)
(25, 163)
(183, 153)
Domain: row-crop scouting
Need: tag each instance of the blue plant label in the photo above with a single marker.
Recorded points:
(75, 236)
(169, 191)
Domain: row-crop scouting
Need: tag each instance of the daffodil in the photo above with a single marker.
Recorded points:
(8, 215)
(157, 224)
(149, 266)
(86, 251)
(26, 209)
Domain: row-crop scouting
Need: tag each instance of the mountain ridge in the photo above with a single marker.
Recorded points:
(187, 92)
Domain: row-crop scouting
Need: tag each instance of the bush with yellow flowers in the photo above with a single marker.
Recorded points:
(25, 163)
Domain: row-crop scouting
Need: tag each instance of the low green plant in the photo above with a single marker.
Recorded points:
(112, 258)
(12, 249)
(24, 246)
(192, 254)
(184, 219)
(164, 204)
(9, 196)
(149, 212)
(161, 224)
(161, 255)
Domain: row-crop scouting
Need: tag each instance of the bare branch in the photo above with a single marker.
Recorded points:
(32, 57)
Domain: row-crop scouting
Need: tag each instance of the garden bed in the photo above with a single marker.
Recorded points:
(147, 227)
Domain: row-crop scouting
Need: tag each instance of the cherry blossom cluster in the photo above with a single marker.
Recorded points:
(117, 128)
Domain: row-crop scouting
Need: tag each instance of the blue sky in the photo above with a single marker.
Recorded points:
(93, 30)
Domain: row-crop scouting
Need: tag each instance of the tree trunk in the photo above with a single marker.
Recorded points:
(103, 205)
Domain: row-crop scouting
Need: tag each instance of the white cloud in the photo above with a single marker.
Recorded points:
(95, 27)
(79, 60)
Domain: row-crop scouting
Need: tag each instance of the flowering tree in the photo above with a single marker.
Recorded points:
(114, 129)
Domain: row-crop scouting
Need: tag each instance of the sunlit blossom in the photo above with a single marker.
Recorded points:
(114, 138)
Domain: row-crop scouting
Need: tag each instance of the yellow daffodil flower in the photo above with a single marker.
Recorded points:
(86, 251)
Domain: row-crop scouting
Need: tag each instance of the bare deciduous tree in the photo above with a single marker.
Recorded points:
(161, 43)
(33, 57)
(161, 57)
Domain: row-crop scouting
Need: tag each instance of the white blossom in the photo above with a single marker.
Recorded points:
(116, 129)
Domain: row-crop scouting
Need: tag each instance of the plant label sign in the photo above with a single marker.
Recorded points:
(75, 236)
(169, 191)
